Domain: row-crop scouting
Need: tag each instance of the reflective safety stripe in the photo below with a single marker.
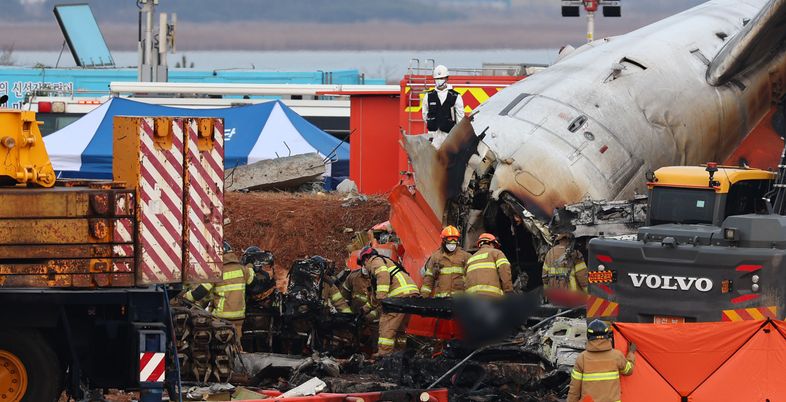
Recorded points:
(429, 273)
(229, 314)
(250, 275)
(233, 274)
(425, 289)
(207, 286)
(361, 296)
(383, 288)
(604, 376)
(336, 297)
(628, 368)
(502, 261)
(386, 341)
(481, 265)
(230, 288)
(580, 266)
(576, 375)
(346, 310)
(477, 257)
(404, 289)
(451, 270)
(485, 288)
(555, 270)
(444, 294)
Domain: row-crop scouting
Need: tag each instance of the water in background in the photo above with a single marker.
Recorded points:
(390, 65)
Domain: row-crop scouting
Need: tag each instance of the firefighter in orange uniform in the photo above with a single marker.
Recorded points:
(228, 296)
(596, 374)
(444, 274)
(391, 281)
(488, 270)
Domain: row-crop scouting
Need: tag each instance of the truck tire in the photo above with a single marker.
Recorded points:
(29, 366)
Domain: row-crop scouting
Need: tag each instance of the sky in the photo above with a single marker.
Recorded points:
(337, 24)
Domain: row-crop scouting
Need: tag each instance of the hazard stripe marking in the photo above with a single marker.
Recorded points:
(751, 313)
(161, 205)
(152, 367)
(597, 307)
(472, 96)
(204, 203)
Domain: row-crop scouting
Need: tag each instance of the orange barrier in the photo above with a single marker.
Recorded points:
(715, 361)
(418, 228)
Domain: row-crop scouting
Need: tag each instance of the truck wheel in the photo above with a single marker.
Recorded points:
(29, 368)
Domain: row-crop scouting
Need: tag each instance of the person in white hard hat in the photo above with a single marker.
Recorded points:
(442, 107)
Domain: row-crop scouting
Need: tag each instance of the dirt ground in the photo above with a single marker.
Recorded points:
(295, 225)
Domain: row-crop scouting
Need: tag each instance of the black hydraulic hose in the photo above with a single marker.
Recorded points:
(174, 345)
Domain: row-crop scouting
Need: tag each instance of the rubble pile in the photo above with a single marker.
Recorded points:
(295, 225)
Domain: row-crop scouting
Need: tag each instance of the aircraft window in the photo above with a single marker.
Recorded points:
(589, 136)
(576, 124)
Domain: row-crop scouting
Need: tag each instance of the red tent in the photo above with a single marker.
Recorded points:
(717, 361)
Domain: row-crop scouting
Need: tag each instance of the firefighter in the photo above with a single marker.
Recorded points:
(391, 280)
(264, 284)
(228, 296)
(358, 290)
(442, 107)
(564, 272)
(488, 270)
(596, 374)
(444, 274)
(331, 295)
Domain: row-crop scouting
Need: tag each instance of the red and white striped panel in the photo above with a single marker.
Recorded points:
(204, 204)
(124, 234)
(152, 367)
(160, 219)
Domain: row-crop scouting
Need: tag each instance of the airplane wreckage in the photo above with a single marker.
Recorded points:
(699, 86)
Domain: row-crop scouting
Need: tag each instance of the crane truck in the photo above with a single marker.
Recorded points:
(85, 265)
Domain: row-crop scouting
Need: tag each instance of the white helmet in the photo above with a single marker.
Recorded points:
(441, 71)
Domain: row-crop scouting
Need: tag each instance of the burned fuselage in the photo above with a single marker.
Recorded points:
(684, 90)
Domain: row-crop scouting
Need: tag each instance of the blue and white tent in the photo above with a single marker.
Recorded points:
(252, 133)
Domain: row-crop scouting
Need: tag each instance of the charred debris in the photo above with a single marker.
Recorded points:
(524, 352)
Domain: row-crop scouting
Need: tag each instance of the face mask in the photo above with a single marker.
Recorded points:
(451, 247)
(441, 82)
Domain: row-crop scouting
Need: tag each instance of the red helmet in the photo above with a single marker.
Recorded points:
(487, 238)
(450, 232)
(366, 252)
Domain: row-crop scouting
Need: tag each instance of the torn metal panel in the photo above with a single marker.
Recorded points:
(562, 340)
(594, 218)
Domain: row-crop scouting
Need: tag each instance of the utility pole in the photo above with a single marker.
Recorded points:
(152, 61)
(571, 8)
